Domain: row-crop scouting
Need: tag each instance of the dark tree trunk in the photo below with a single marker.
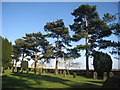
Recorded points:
(35, 67)
(87, 63)
(35, 63)
(87, 55)
(14, 67)
(22, 60)
(56, 66)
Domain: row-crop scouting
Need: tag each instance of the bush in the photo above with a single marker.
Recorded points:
(102, 62)
(24, 64)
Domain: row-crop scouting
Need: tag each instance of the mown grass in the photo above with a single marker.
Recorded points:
(47, 80)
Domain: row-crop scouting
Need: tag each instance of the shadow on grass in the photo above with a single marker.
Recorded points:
(38, 78)
(85, 85)
(12, 82)
(96, 82)
(23, 81)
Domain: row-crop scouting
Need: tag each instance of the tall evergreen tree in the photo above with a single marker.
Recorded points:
(60, 34)
(37, 44)
(87, 24)
(15, 56)
(21, 50)
(6, 53)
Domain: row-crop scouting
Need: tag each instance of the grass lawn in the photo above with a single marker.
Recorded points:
(48, 80)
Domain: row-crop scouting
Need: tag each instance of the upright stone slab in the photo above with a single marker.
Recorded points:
(27, 70)
(46, 71)
(95, 75)
(43, 71)
(40, 71)
(105, 76)
(64, 74)
(111, 74)
(60, 72)
(74, 75)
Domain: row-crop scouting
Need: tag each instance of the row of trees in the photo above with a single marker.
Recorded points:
(87, 24)
(5, 53)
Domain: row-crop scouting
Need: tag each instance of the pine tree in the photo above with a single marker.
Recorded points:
(15, 56)
(60, 33)
(87, 24)
(36, 44)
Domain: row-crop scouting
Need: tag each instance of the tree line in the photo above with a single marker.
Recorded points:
(87, 25)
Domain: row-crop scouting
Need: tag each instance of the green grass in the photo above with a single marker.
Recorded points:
(48, 80)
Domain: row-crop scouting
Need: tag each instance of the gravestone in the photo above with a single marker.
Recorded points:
(111, 74)
(105, 76)
(64, 74)
(74, 75)
(43, 71)
(60, 72)
(95, 75)
(27, 70)
(46, 71)
(40, 71)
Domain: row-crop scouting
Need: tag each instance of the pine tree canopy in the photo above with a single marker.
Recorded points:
(96, 28)
(58, 30)
(6, 53)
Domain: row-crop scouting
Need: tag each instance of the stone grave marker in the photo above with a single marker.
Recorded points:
(74, 75)
(60, 72)
(111, 74)
(105, 76)
(40, 71)
(43, 71)
(95, 75)
(64, 74)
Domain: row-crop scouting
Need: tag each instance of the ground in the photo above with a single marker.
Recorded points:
(47, 80)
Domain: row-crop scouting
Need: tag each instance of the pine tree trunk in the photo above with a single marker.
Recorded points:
(35, 63)
(15, 66)
(21, 61)
(42, 68)
(87, 56)
(35, 67)
(56, 66)
(87, 62)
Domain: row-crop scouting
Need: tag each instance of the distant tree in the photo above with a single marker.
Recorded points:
(15, 56)
(23, 49)
(37, 46)
(88, 25)
(6, 53)
(102, 62)
(60, 34)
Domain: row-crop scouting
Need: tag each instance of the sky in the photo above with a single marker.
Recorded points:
(19, 18)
